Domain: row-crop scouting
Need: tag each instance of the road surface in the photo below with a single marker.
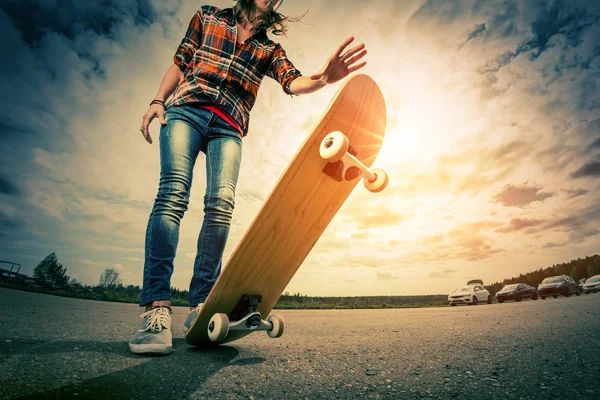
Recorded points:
(55, 347)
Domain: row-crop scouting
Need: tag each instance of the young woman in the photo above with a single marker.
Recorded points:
(212, 87)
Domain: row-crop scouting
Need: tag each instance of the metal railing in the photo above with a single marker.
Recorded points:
(8, 276)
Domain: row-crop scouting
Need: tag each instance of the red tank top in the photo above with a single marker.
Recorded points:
(223, 115)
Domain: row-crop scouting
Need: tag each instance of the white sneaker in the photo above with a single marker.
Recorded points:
(154, 336)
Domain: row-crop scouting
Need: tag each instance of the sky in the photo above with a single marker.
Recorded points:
(492, 144)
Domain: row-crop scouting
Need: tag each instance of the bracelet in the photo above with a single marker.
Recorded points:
(162, 103)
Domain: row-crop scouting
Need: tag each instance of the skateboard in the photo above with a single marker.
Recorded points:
(324, 171)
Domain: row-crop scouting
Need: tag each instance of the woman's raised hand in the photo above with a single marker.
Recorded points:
(341, 63)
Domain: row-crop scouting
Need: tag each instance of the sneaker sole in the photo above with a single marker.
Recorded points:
(150, 348)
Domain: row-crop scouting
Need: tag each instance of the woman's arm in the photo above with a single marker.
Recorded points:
(305, 85)
(174, 74)
(168, 85)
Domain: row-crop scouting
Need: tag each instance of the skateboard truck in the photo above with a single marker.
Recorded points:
(344, 166)
(244, 317)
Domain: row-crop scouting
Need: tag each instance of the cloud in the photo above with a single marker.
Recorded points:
(472, 166)
(513, 196)
(8, 223)
(518, 224)
(378, 218)
(481, 96)
(73, 18)
(579, 236)
(557, 158)
(8, 187)
(551, 245)
(571, 222)
(90, 262)
(576, 192)
(445, 273)
(589, 169)
(575, 236)
(477, 31)
(570, 230)
(468, 242)
(360, 235)
(384, 276)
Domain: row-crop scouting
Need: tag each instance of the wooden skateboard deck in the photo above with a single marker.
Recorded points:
(298, 209)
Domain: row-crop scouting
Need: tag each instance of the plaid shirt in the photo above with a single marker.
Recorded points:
(216, 71)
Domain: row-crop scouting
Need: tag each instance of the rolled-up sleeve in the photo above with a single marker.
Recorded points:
(190, 42)
(282, 70)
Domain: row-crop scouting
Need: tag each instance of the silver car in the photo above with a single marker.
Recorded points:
(592, 284)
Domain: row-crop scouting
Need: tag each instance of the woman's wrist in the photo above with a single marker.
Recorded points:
(305, 84)
(158, 101)
(319, 84)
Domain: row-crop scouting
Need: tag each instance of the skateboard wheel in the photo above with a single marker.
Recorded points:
(278, 325)
(334, 146)
(218, 327)
(380, 182)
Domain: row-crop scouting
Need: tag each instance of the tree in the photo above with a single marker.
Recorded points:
(110, 278)
(574, 274)
(75, 282)
(49, 269)
(593, 270)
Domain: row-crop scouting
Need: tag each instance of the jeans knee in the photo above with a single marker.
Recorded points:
(172, 198)
(221, 203)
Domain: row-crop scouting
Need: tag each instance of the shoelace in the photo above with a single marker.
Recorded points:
(158, 319)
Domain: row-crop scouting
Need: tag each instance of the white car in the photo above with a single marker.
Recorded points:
(471, 294)
(592, 284)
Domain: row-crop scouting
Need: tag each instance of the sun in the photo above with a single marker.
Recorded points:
(424, 118)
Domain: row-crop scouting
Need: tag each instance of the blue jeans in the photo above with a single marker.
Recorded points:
(189, 131)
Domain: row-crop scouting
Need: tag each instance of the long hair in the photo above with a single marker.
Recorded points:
(270, 20)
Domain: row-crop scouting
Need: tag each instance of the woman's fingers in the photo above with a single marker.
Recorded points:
(352, 51)
(161, 118)
(341, 47)
(144, 129)
(357, 67)
(355, 58)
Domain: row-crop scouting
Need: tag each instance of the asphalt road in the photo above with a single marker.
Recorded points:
(54, 347)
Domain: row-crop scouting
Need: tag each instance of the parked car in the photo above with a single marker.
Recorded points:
(516, 292)
(475, 282)
(592, 284)
(470, 295)
(558, 285)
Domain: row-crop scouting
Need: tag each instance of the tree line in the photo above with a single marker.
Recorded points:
(576, 269)
(110, 287)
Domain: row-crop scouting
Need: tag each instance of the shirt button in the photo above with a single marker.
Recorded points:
(218, 87)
